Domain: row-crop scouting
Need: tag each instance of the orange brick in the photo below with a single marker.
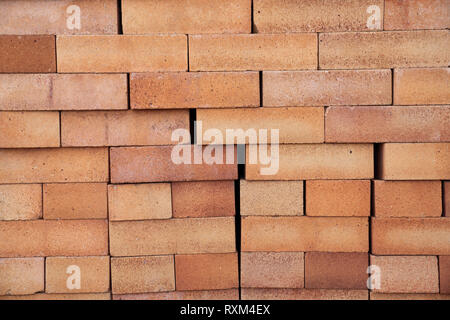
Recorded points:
(116, 128)
(295, 125)
(421, 86)
(119, 53)
(93, 271)
(410, 236)
(303, 294)
(203, 199)
(154, 164)
(176, 90)
(416, 14)
(227, 294)
(321, 88)
(407, 198)
(27, 54)
(403, 274)
(316, 161)
(139, 201)
(444, 274)
(446, 196)
(53, 165)
(62, 91)
(312, 15)
(53, 238)
(218, 271)
(29, 129)
(173, 236)
(392, 49)
(142, 274)
(60, 296)
(408, 296)
(20, 202)
(75, 201)
(338, 198)
(271, 198)
(256, 52)
(21, 276)
(272, 270)
(414, 161)
(186, 16)
(52, 17)
(349, 234)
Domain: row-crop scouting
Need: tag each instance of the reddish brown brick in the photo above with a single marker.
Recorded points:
(226, 294)
(60, 296)
(20, 201)
(21, 276)
(444, 274)
(303, 294)
(408, 296)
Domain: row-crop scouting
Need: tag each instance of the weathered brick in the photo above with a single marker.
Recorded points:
(444, 274)
(271, 198)
(60, 296)
(272, 270)
(226, 294)
(410, 236)
(338, 198)
(256, 52)
(27, 54)
(53, 238)
(142, 274)
(392, 49)
(403, 274)
(93, 271)
(408, 296)
(218, 271)
(139, 201)
(203, 199)
(186, 16)
(343, 234)
(446, 196)
(303, 294)
(75, 201)
(21, 276)
(407, 198)
(20, 201)
(323, 88)
(53, 165)
(116, 128)
(414, 161)
(295, 125)
(173, 236)
(174, 90)
(121, 53)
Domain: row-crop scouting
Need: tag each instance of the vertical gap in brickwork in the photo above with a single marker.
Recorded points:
(392, 86)
(376, 155)
(304, 197)
(60, 130)
(318, 46)
(252, 19)
(237, 204)
(119, 17)
(260, 88)
(443, 199)
(192, 120)
(187, 51)
(128, 91)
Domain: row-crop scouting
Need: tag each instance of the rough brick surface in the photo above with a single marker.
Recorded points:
(303, 294)
(408, 296)
(21, 276)
(226, 294)
(60, 296)
(444, 274)
(20, 202)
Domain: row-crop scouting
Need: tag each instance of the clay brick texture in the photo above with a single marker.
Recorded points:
(224, 150)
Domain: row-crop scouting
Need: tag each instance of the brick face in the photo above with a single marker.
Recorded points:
(20, 202)
(303, 294)
(444, 274)
(21, 276)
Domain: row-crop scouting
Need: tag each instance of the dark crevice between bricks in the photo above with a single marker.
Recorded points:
(392, 87)
(128, 91)
(119, 17)
(192, 120)
(237, 204)
(260, 88)
(443, 198)
(376, 161)
(304, 197)
(187, 51)
(252, 15)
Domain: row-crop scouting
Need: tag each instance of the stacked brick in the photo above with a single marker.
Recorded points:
(92, 91)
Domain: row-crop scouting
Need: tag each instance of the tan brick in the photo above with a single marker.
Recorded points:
(256, 52)
(408, 296)
(155, 164)
(51, 17)
(312, 15)
(303, 294)
(403, 274)
(407, 198)
(446, 196)
(392, 49)
(29, 129)
(75, 201)
(227, 294)
(203, 199)
(348, 234)
(414, 161)
(315, 161)
(27, 54)
(218, 271)
(62, 91)
(142, 274)
(272, 270)
(53, 165)
(271, 198)
(338, 198)
(116, 128)
(410, 236)
(421, 86)
(21, 276)
(173, 236)
(20, 201)
(186, 16)
(139, 201)
(121, 53)
(60, 296)
(295, 125)
(93, 271)
(416, 14)
(53, 238)
(323, 88)
(444, 274)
